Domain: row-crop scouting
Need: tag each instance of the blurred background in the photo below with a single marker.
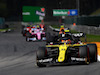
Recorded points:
(88, 10)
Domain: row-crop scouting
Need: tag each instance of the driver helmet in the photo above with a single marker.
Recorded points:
(62, 26)
(68, 41)
(62, 30)
(37, 26)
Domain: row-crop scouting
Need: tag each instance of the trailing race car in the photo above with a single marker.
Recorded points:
(66, 50)
(35, 35)
(61, 30)
(25, 29)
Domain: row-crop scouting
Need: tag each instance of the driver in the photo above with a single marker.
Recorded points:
(67, 38)
(41, 26)
(38, 29)
(62, 30)
(33, 28)
(67, 41)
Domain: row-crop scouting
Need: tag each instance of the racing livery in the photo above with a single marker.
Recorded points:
(65, 49)
(35, 35)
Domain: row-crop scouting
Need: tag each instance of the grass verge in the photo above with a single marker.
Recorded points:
(6, 29)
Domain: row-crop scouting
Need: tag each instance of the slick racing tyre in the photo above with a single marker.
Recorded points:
(84, 53)
(28, 34)
(93, 52)
(40, 54)
(24, 32)
(27, 39)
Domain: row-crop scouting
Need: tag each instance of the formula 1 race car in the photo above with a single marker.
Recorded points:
(66, 50)
(62, 29)
(35, 35)
(25, 29)
(42, 26)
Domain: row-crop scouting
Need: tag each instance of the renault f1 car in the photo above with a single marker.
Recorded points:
(66, 51)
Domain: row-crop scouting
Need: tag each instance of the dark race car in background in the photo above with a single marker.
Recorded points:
(25, 29)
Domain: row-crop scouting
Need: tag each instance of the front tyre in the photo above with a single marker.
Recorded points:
(40, 54)
(84, 53)
(27, 39)
(39, 64)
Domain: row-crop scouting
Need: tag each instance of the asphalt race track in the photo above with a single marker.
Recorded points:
(17, 57)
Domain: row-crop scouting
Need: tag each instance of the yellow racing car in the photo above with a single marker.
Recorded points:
(66, 51)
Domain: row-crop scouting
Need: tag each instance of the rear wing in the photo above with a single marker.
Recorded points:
(58, 30)
(79, 34)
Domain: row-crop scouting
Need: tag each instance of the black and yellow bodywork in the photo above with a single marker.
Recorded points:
(66, 53)
(66, 49)
(62, 50)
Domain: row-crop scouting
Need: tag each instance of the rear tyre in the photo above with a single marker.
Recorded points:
(93, 52)
(40, 54)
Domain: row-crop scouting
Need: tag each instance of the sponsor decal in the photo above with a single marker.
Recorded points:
(42, 9)
(63, 35)
(46, 60)
(62, 51)
(27, 29)
(65, 12)
(73, 12)
(26, 13)
(33, 38)
(78, 59)
(39, 13)
(43, 38)
(78, 35)
(40, 18)
(60, 12)
(98, 57)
